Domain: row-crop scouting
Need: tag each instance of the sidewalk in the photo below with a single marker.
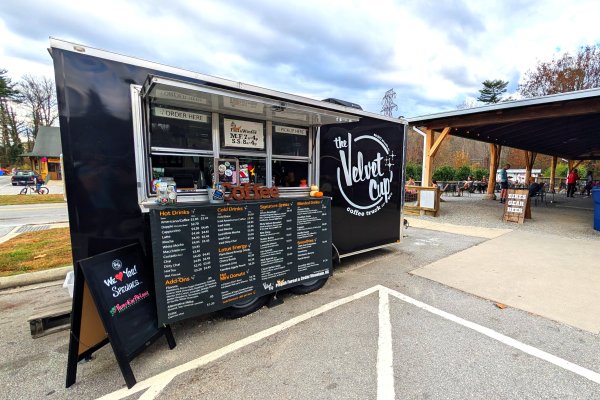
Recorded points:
(531, 272)
(547, 266)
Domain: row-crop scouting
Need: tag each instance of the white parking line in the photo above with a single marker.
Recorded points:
(158, 382)
(559, 362)
(385, 372)
(385, 354)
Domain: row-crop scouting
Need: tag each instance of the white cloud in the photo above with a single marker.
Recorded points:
(433, 53)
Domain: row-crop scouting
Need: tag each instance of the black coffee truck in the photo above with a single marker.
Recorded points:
(189, 194)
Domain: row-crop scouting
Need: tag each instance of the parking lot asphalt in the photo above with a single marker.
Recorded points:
(374, 331)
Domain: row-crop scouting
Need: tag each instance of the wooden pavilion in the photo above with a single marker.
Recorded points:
(564, 125)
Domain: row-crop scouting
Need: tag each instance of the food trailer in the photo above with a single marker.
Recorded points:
(147, 147)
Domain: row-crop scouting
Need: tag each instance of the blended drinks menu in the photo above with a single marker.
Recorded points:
(208, 257)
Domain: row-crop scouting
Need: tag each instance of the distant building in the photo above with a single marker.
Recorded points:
(517, 175)
(46, 154)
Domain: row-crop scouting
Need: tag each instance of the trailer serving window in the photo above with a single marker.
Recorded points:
(185, 129)
(179, 128)
(290, 146)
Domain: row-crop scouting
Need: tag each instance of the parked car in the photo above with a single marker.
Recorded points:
(23, 177)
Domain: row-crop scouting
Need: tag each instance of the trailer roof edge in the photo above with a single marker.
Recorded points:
(227, 83)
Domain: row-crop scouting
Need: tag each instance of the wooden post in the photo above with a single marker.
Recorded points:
(495, 150)
(427, 167)
(553, 173)
(432, 146)
(529, 160)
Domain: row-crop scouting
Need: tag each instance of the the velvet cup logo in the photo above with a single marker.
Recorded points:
(117, 264)
(365, 176)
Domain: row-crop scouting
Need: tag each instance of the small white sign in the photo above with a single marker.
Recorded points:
(173, 95)
(243, 105)
(428, 199)
(178, 114)
(290, 131)
(245, 134)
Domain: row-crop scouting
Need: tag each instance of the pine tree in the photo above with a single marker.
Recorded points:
(10, 143)
(492, 91)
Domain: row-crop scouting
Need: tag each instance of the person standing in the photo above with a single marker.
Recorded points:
(571, 182)
(589, 181)
(504, 183)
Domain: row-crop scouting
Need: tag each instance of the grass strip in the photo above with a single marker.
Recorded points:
(36, 251)
(16, 199)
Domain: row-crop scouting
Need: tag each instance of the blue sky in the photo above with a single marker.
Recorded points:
(434, 54)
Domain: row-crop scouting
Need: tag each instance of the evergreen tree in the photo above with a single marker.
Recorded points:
(492, 91)
(6, 86)
(10, 143)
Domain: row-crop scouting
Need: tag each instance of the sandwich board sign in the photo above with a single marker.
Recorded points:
(123, 299)
(517, 207)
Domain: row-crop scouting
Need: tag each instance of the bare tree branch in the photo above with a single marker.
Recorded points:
(565, 74)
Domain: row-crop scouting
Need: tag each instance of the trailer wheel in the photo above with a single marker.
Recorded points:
(335, 255)
(244, 307)
(309, 286)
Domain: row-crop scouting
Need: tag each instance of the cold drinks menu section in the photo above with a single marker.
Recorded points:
(209, 257)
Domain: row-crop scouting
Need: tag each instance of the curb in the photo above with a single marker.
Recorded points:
(30, 278)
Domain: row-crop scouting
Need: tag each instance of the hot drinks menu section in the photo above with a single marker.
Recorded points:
(211, 256)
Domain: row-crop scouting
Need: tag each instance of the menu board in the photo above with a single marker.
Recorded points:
(207, 257)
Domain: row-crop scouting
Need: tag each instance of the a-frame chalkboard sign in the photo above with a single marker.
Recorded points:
(123, 297)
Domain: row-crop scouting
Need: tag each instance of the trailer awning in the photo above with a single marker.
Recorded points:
(213, 99)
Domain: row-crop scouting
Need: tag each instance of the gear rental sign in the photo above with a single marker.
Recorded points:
(361, 170)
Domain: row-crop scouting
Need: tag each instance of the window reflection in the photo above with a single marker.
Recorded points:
(190, 173)
(253, 170)
(290, 141)
(179, 128)
(290, 173)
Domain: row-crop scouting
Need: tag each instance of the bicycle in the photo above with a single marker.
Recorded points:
(32, 189)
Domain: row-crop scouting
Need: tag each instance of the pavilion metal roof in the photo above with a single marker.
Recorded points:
(566, 125)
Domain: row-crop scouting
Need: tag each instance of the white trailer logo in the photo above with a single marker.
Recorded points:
(375, 175)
